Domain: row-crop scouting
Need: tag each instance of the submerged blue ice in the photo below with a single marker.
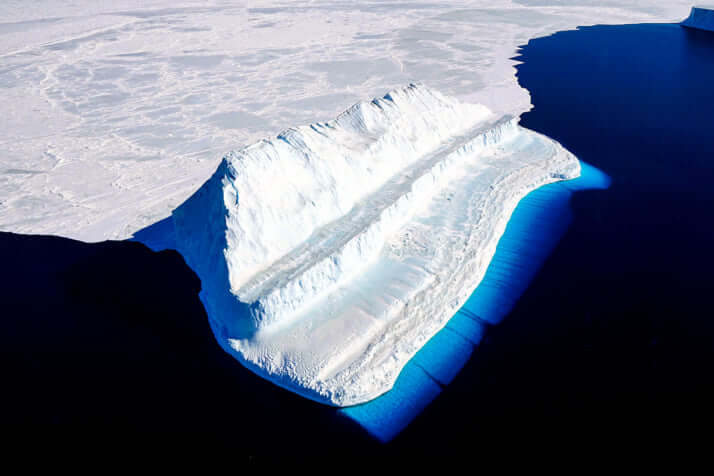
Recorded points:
(533, 231)
(365, 296)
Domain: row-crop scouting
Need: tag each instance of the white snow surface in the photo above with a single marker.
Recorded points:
(701, 18)
(114, 113)
(329, 255)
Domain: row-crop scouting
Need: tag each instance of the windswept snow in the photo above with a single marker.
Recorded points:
(116, 112)
(330, 254)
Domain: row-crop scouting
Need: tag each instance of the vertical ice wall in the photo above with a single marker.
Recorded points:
(330, 254)
(266, 200)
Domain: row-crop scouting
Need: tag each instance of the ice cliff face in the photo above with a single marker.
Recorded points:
(330, 254)
(701, 18)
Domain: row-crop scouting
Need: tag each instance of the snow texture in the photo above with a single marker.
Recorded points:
(114, 113)
(700, 18)
(332, 253)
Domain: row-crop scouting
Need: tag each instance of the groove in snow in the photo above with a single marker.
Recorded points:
(330, 254)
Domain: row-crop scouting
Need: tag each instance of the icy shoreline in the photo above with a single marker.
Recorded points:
(331, 254)
(117, 114)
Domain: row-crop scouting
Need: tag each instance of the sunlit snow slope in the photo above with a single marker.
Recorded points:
(330, 254)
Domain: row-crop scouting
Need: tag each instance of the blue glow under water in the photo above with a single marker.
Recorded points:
(605, 294)
(613, 339)
(534, 229)
(611, 342)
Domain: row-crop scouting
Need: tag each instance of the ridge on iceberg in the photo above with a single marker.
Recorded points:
(332, 253)
(701, 18)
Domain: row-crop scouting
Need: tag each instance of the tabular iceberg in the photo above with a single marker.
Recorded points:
(701, 18)
(332, 253)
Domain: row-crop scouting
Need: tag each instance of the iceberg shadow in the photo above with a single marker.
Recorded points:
(107, 346)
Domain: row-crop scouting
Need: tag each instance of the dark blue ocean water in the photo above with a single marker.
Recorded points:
(613, 341)
(611, 338)
(533, 230)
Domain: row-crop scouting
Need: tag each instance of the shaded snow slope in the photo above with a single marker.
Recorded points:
(330, 254)
(701, 18)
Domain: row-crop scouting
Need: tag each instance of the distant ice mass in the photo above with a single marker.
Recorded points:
(114, 113)
(330, 254)
(701, 18)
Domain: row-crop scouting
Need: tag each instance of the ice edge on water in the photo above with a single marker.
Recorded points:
(534, 229)
(332, 253)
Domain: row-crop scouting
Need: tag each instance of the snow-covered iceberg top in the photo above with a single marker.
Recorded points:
(701, 18)
(330, 254)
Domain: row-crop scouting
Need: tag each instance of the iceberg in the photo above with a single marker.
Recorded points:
(701, 18)
(330, 254)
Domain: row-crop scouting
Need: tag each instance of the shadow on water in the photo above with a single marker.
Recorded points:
(614, 339)
(108, 345)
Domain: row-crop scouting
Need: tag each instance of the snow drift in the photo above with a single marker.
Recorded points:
(330, 254)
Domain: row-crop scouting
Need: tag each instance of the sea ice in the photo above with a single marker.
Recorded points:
(114, 113)
(332, 253)
(701, 18)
